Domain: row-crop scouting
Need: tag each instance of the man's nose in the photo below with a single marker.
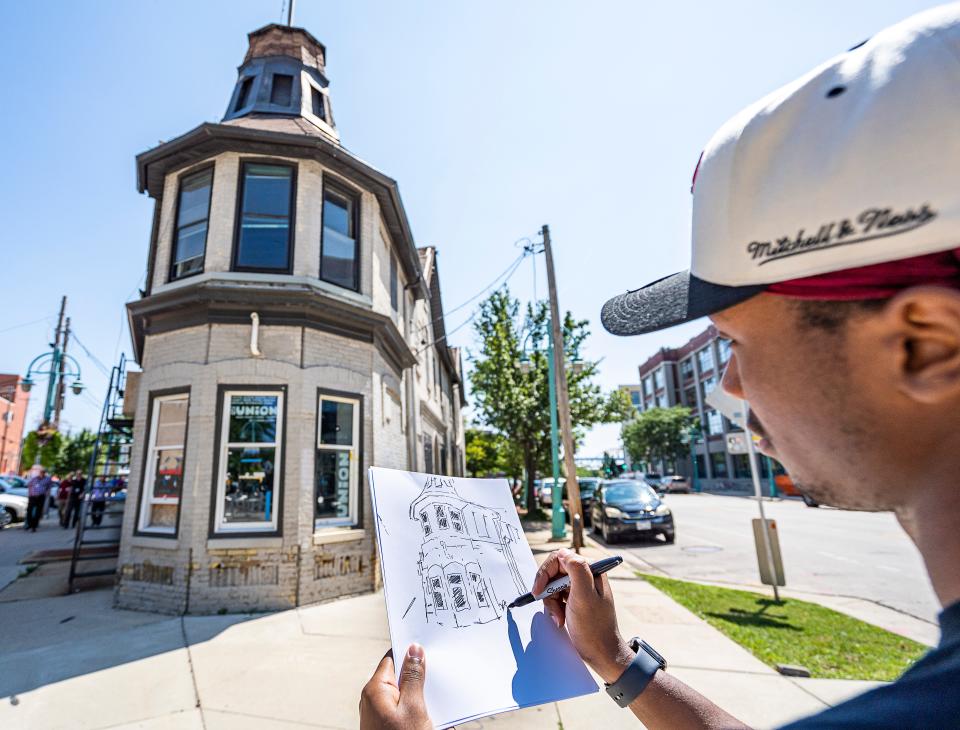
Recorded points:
(730, 381)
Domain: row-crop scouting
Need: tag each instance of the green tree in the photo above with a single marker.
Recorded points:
(484, 452)
(49, 452)
(514, 401)
(76, 452)
(657, 434)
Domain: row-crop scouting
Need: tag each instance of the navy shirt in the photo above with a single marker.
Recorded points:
(926, 696)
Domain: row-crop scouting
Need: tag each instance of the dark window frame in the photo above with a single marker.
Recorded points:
(317, 96)
(321, 392)
(243, 93)
(279, 486)
(238, 215)
(174, 239)
(394, 283)
(274, 89)
(151, 397)
(353, 197)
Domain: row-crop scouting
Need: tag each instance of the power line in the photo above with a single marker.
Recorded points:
(27, 324)
(93, 358)
(505, 276)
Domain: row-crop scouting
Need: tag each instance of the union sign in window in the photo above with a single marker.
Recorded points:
(249, 464)
(338, 464)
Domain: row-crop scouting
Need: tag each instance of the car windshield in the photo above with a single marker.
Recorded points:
(628, 492)
(653, 476)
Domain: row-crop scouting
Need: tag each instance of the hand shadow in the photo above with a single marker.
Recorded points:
(540, 677)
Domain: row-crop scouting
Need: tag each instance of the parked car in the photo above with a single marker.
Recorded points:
(674, 483)
(13, 507)
(546, 491)
(628, 508)
(9, 486)
(588, 488)
(653, 479)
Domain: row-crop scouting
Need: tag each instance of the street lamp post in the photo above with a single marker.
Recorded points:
(59, 368)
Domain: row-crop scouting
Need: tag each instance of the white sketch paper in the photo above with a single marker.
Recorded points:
(453, 555)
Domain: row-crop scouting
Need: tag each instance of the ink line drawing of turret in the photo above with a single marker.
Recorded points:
(462, 540)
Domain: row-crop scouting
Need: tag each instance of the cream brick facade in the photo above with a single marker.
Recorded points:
(196, 334)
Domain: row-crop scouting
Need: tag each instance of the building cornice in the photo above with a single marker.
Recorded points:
(211, 139)
(295, 305)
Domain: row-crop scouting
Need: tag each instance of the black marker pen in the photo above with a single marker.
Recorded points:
(563, 582)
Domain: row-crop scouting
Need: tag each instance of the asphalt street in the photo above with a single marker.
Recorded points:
(828, 551)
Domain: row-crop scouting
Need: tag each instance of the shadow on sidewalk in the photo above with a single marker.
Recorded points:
(50, 640)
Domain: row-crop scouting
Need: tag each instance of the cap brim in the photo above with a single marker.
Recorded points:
(672, 300)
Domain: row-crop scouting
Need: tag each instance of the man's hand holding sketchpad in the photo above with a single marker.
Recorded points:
(453, 556)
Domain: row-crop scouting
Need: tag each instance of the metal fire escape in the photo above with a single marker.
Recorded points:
(97, 541)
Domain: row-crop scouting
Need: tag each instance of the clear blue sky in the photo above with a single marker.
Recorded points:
(494, 118)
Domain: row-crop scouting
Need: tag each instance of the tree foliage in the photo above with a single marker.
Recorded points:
(514, 401)
(76, 452)
(657, 433)
(489, 454)
(49, 451)
(62, 453)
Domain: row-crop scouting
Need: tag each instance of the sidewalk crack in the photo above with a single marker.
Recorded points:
(193, 675)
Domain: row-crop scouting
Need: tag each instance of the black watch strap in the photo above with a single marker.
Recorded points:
(638, 675)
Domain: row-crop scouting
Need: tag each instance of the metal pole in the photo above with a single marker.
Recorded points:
(290, 11)
(693, 459)
(563, 398)
(770, 479)
(559, 529)
(763, 518)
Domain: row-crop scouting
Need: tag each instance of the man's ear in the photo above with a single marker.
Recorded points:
(925, 322)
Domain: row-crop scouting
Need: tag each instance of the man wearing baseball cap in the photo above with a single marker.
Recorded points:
(826, 247)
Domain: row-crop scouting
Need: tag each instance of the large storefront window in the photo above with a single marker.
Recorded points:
(338, 461)
(163, 472)
(248, 495)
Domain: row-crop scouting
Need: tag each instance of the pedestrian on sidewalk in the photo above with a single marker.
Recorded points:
(63, 500)
(98, 501)
(77, 485)
(38, 488)
(826, 249)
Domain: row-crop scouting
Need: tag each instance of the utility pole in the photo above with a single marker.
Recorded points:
(563, 400)
(52, 387)
(61, 391)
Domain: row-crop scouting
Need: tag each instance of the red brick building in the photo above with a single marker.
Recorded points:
(13, 414)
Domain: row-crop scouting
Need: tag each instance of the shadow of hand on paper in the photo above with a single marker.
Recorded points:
(539, 675)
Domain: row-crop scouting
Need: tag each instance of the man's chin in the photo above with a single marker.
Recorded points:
(832, 495)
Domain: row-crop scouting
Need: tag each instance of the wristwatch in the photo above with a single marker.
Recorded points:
(638, 675)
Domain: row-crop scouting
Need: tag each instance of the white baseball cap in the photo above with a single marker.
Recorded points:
(855, 164)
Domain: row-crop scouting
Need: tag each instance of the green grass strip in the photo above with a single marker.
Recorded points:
(830, 644)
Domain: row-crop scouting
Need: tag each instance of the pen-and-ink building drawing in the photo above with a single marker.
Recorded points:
(461, 540)
(290, 334)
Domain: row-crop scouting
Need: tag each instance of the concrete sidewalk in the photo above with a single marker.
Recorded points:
(75, 662)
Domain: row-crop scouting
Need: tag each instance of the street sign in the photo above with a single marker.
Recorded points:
(769, 575)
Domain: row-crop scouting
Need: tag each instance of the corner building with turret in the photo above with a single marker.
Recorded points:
(290, 334)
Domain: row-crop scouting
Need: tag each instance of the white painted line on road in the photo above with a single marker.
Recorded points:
(841, 558)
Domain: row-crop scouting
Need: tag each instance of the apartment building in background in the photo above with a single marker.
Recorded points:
(684, 376)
